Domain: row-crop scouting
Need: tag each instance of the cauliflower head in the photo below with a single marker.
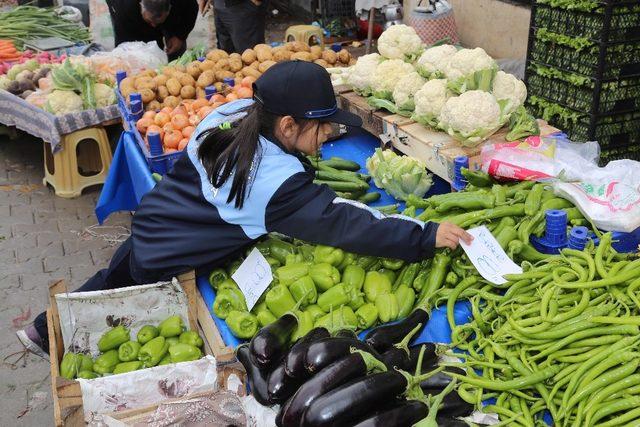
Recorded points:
(360, 74)
(400, 42)
(429, 101)
(470, 69)
(405, 89)
(386, 75)
(432, 62)
(507, 87)
(61, 102)
(105, 95)
(471, 117)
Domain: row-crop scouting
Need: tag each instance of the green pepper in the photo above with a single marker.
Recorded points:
(357, 301)
(367, 316)
(329, 255)
(349, 259)
(147, 333)
(121, 368)
(390, 274)
(305, 325)
(279, 300)
(333, 298)
(353, 275)
(342, 318)
(113, 338)
(87, 375)
(87, 363)
(408, 276)
(288, 274)
(172, 340)
(105, 363)
(228, 284)
(324, 275)
(522, 185)
(191, 337)
(533, 200)
(166, 360)
(477, 178)
(375, 284)
(279, 249)
(171, 326)
(263, 247)
(410, 212)
(406, 297)
(366, 262)
(128, 351)
(227, 300)
(392, 264)
(216, 277)
(242, 324)
(152, 352)
(184, 353)
(315, 311)
(293, 259)
(506, 235)
(427, 215)
(71, 363)
(262, 313)
(304, 288)
(420, 279)
(451, 279)
(467, 202)
(387, 306)
(438, 273)
(500, 193)
(273, 263)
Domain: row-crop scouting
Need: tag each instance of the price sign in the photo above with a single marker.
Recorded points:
(253, 277)
(488, 257)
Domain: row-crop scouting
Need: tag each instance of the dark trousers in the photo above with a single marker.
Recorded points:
(117, 275)
(240, 26)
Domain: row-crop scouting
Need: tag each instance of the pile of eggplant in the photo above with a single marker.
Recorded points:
(331, 378)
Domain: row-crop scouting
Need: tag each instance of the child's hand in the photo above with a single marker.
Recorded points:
(449, 236)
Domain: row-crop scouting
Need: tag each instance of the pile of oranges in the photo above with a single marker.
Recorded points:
(176, 125)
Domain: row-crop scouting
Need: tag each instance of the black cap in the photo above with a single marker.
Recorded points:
(302, 90)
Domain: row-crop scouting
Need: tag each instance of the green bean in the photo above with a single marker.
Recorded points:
(575, 311)
(628, 320)
(596, 341)
(453, 297)
(607, 391)
(581, 357)
(607, 408)
(623, 419)
(616, 280)
(605, 242)
(510, 385)
(631, 291)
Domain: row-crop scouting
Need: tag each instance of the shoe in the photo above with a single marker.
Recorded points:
(31, 340)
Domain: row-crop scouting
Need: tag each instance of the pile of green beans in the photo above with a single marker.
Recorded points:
(563, 336)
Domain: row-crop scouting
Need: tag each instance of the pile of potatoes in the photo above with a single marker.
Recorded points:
(176, 83)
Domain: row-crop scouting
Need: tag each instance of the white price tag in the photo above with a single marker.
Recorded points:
(488, 257)
(253, 277)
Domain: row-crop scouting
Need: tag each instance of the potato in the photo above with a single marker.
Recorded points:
(153, 106)
(329, 56)
(162, 92)
(194, 69)
(188, 92)
(251, 72)
(217, 54)
(316, 52)
(322, 62)
(223, 74)
(147, 95)
(352, 61)
(219, 86)
(171, 101)
(180, 68)
(222, 64)
(255, 65)
(262, 46)
(148, 73)
(264, 66)
(302, 56)
(128, 82)
(200, 93)
(206, 79)
(174, 86)
(187, 80)
(207, 64)
(145, 82)
(282, 55)
(235, 56)
(344, 56)
(126, 92)
(169, 71)
(160, 79)
(264, 55)
(239, 75)
(235, 65)
(299, 47)
(248, 56)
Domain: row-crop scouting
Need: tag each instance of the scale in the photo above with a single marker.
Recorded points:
(48, 44)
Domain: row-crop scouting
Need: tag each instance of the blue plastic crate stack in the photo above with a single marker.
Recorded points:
(583, 71)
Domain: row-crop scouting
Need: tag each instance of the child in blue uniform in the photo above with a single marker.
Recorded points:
(244, 175)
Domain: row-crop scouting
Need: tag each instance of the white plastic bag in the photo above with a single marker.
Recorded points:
(132, 57)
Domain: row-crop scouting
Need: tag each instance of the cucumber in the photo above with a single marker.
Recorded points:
(350, 196)
(345, 186)
(374, 196)
(337, 176)
(338, 163)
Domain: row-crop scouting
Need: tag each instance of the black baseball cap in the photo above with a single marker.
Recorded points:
(302, 90)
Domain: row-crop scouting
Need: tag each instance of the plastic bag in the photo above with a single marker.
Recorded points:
(540, 158)
(131, 57)
(609, 196)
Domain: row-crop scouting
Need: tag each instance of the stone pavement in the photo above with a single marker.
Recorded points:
(42, 238)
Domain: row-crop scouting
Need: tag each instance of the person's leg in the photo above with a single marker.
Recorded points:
(248, 25)
(223, 36)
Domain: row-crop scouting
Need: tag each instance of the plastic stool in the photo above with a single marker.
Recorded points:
(79, 164)
(310, 34)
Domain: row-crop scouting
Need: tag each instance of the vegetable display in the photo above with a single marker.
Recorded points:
(343, 177)
(122, 352)
(400, 176)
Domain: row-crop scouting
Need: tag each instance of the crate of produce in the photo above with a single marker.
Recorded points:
(611, 20)
(580, 93)
(68, 395)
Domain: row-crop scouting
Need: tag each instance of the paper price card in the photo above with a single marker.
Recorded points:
(488, 257)
(253, 277)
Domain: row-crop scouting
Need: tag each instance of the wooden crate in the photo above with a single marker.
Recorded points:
(67, 395)
(356, 104)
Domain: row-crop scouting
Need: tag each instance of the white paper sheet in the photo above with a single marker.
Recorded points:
(253, 277)
(488, 257)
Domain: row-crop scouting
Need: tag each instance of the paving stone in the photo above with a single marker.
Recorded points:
(57, 263)
(54, 249)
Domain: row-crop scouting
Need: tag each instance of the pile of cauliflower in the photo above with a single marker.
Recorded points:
(459, 91)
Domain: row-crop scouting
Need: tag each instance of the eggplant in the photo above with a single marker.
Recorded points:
(384, 337)
(294, 365)
(451, 422)
(396, 358)
(354, 366)
(402, 414)
(269, 345)
(324, 352)
(453, 406)
(354, 400)
(257, 376)
(346, 333)
(435, 384)
(429, 359)
(281, 386)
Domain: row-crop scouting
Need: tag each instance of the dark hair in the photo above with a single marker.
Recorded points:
(233, 152)
(156, 8)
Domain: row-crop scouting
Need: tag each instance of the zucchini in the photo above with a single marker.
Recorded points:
(374, 196)
(354, 195)
(345, 186)
(342, 164)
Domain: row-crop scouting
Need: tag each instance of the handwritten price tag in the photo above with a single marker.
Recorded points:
(488, 257)
(253, 277)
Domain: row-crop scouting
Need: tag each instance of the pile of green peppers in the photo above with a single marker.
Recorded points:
(169, 342)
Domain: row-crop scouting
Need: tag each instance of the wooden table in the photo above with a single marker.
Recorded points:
(437, 149)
